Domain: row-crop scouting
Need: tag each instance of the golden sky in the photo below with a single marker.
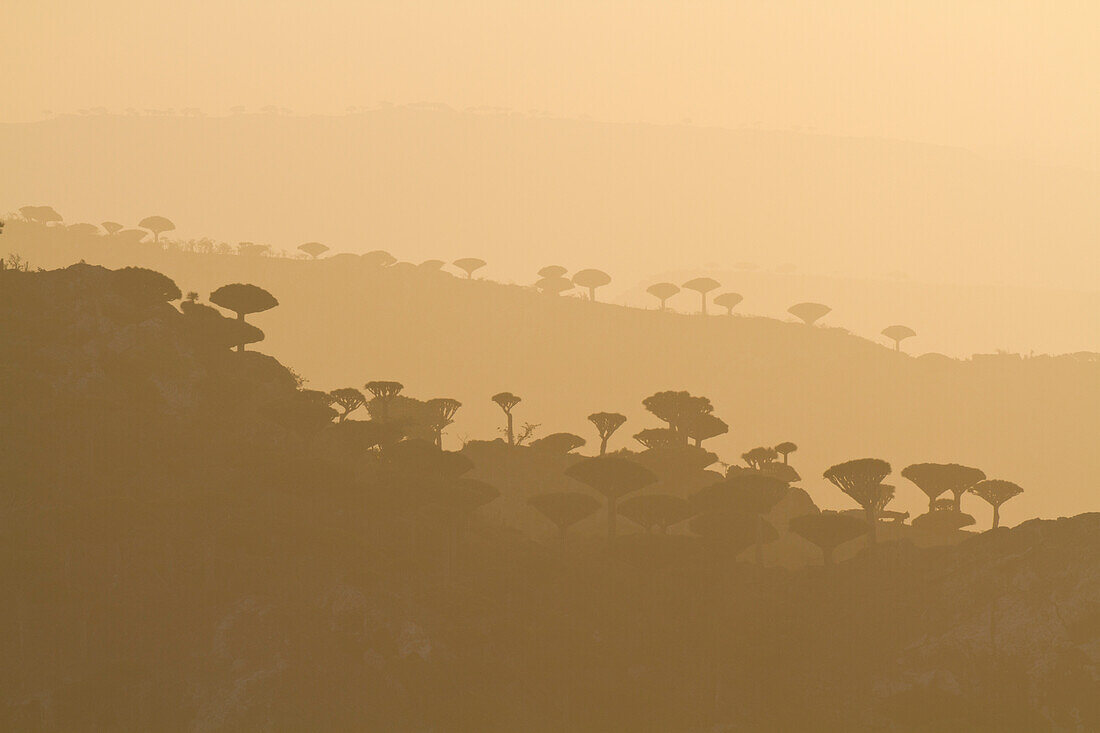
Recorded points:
(1008, 77)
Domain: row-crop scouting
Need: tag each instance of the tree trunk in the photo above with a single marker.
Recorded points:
(703, 296)
(996, 516)
(610, 521)
(511, 435)
(958, 500)
(592, 294)
(872, 520)
(240, 345)
(760, 540)
(603, 444)
(785, 459)
(897, 345)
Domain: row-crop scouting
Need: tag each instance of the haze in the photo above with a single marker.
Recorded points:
(1017, 79)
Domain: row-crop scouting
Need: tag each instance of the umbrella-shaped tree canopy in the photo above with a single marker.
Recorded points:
(897, 334)
(243, 299)
(702, 285)
(552, 271)
(729, 301)
(591, 279)
(313, 249)
(942, 521)
(606, 424)
(663, 291)
(378, 258)
(751, 493)
(469, 265)
(565, 508)
(554, 285)
(828, 530)
(559, 443)
(157, 225)
(935, 479)
(611, 476)
(728, 531)
(145, 286)
(809, 313)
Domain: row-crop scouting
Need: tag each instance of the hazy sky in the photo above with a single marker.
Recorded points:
(1017, 78)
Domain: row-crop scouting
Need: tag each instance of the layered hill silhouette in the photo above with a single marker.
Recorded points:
(429, 182)
(186, 547)
(345, 320)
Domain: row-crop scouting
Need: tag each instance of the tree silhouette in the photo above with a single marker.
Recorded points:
(897, 334)
(444, 409)
(431, 265)
(506, 401)
(759, 457)
(941, 518)
(935, 479)
(659, 438)
(243, 299)
(145, 286)
(554, 285)
(785, 449)
(130, 236)
(662, 292)
(469, 265)
(656, 510)
(552, 271)
(564, 508)
(728, 531)
(675, 408)
(384, 392)
(606, 424)
(809, 313)
(378, 258)
(700, 426)
(612, 476)
(111, 227)
(348, 399)
(995, 492)
(591, 279)
(313, 249)
(83, 229)
(861, 479)
(729, 301)
(828, 530)
(157, 225)
(561, 443)
(702, 285)
(746, 493)
(40, 214)
(251, 249)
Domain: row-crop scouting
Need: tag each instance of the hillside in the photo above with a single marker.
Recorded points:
(343, 322)
(185, 548)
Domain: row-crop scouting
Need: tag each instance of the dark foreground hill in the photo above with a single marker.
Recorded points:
(343, 322)
(183, 546)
